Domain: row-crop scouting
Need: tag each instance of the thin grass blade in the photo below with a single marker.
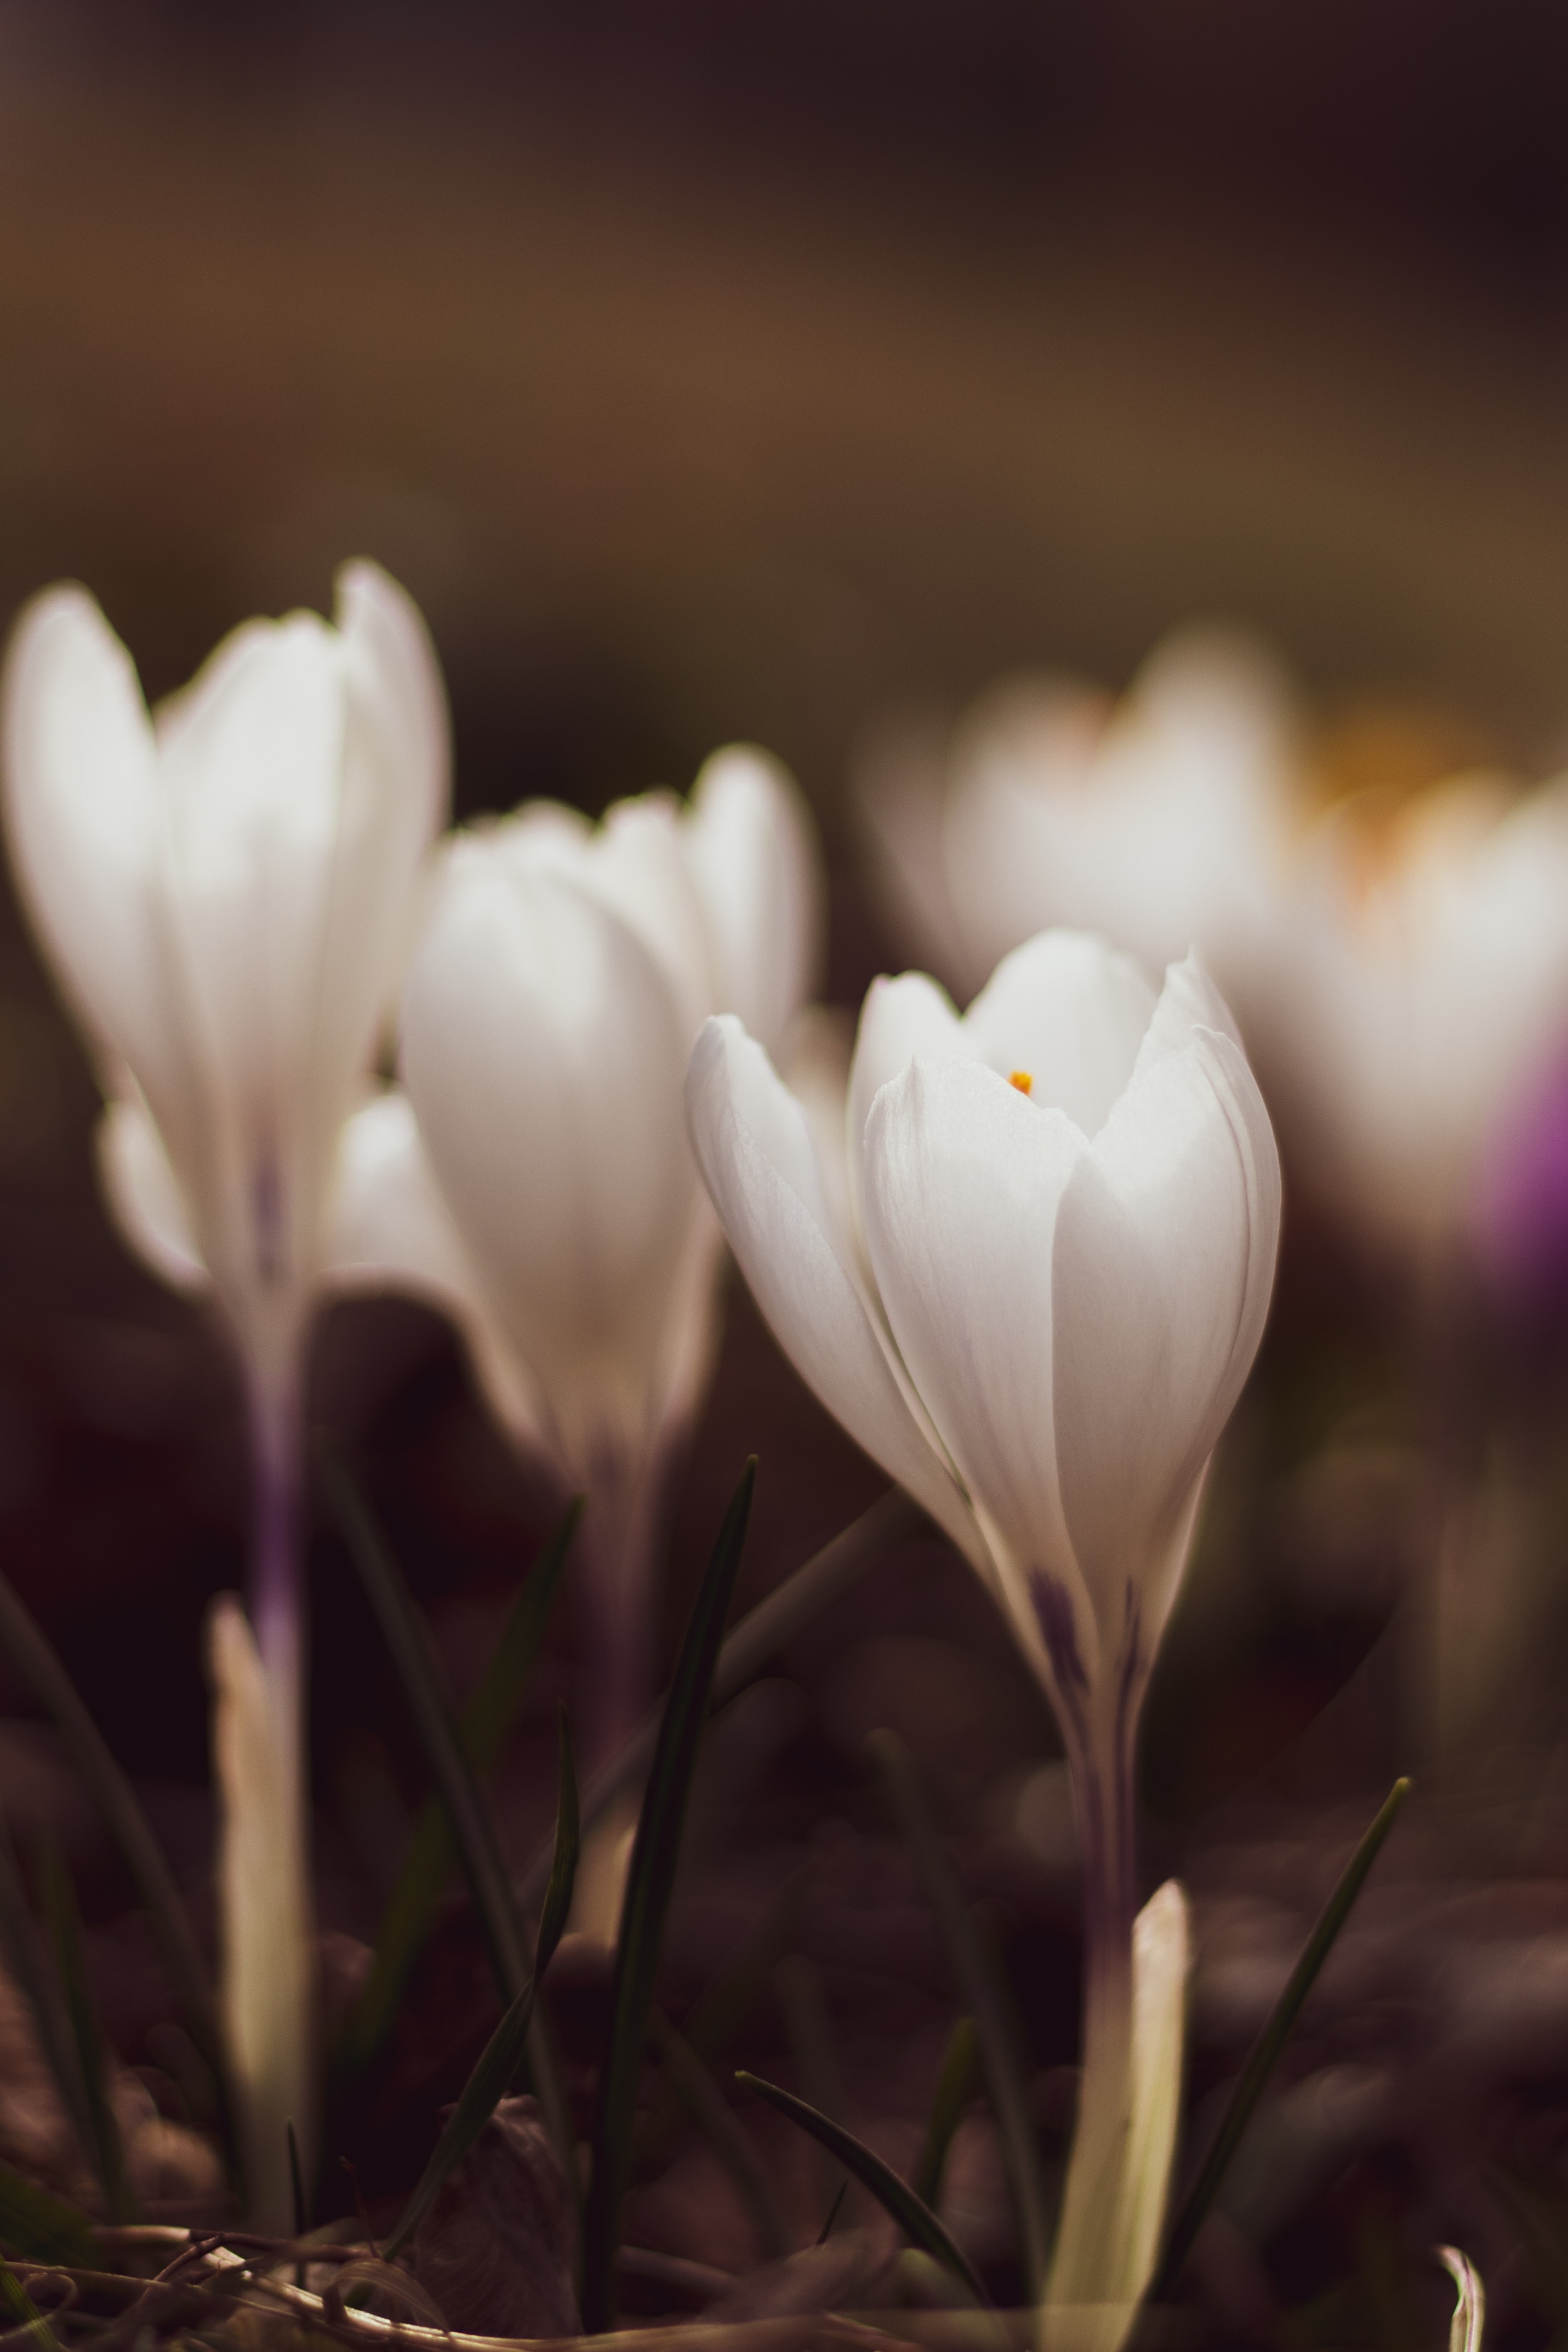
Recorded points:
(1469, 2323)
(650, 1879)
(116, 1800)
(910, 2213)
(64, 1917)
(465, 1807)
(482, 1733)
(24, 1959)
(760, 1634)
(24, 2311)
(43, 2229)
(957, 2085)
(502, 2056)
(1270, 2041)
(1001, 2043)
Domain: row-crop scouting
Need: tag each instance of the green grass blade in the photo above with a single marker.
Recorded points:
(955, 2086)
(502, 2056)
(43, 2229)
(1269, 2043)
(650, 1879)
(1001, 2047)
(24, 1959)
(757, 1637)
(482, 1732)
(465, 1807)
(92, 2056)
(910, 2213)
(567, 1847)
(116, 1800)
(22, 2310)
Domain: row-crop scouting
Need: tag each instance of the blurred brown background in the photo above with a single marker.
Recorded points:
(712, 371)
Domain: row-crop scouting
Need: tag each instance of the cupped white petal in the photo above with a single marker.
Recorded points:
(144, 1196)
(963, 1180)
(393, 791)
(250, 760)
(1163, 1256)
(899, 1019)
(1069, 1012)
(633, 862)
(391, 1228)
(752, 853)
(542, 1049)
(753, 1144)
(82, 815)
(396, 691)
(392, 1231)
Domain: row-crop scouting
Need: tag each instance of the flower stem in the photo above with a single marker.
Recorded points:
(1086, 2266)
(617, 1600)
(268, 1929)
(276, 1566)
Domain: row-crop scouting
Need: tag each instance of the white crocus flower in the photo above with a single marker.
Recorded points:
(226, 887)
(1155, 821)
(533, 1175)
(1412, 995)
(1032, 1292)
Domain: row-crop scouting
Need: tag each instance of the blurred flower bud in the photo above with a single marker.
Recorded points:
(1155, 821)
(534, 1175)
(1414, 999)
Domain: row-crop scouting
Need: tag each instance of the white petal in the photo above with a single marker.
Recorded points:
(396, 687)
(963, 1179)
(392, 1230)
(265, 1911)
(144, 1196)
(899, 1019)
(753, 1146)
(818, 1076)
(1071, 1011)
(543, 1050)
(1164, 1258)
(251, 765)
(82, 815)
(393, 794)
(752, 851)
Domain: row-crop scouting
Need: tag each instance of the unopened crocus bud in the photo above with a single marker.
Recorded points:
(533, 1174)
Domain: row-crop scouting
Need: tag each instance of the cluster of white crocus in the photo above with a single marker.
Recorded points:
(1027, 1269)
(1400, 974)
(237, 895)
(533, 1176)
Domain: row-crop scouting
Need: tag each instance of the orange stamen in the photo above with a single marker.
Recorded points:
(1023, 1080)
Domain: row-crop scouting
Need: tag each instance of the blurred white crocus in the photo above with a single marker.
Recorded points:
(226, 887)
(533, 1175)
(1029, 1275)
(1155, 821)
(1413, 997)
